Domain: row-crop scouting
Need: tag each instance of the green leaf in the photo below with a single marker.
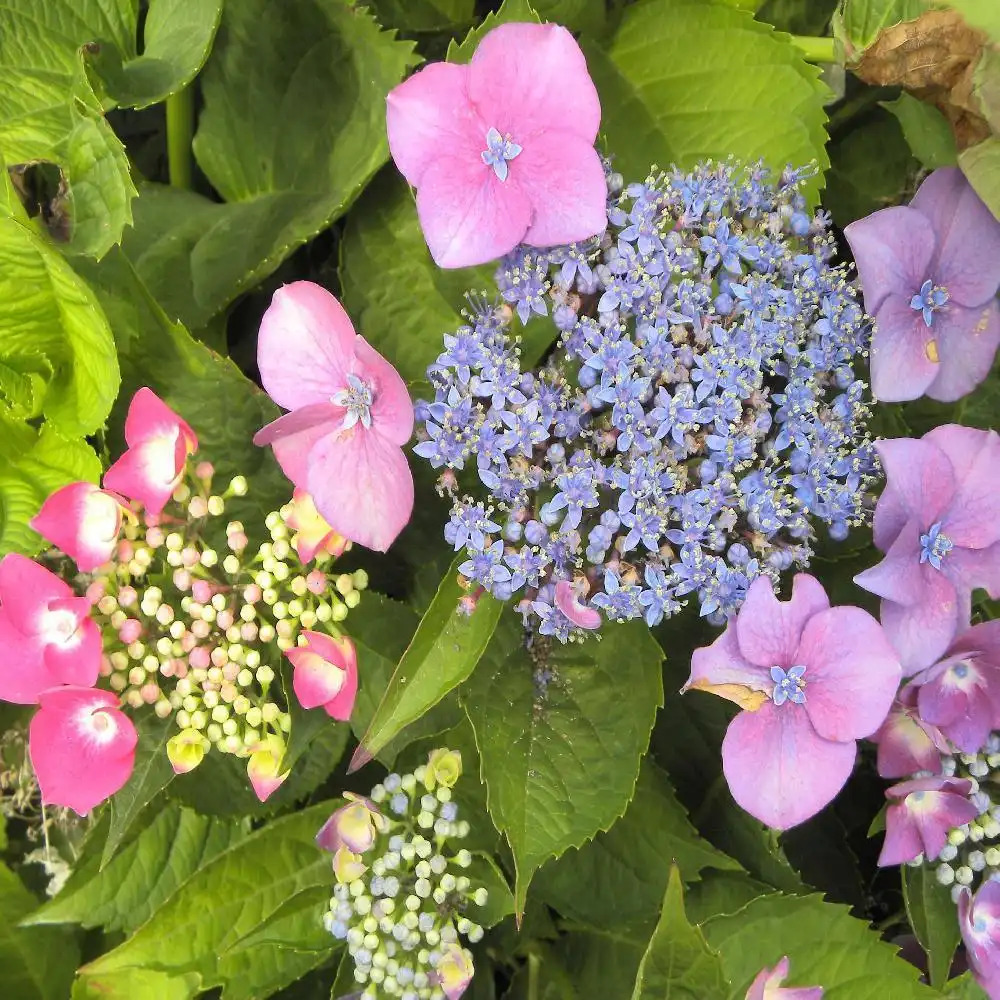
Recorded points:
(587, 16)
(965, 988)
(442, 653)
(561, 731)
(229, 919)
(152, 773)
(858, 23)
(136, 984)
(721, 892)
(424, 15)
(980, 14)
(678, 964)
(292, 129)
(981, 165)
(826, 947)
(177, 37)
(926, 129)
(382, 237)
(484, 872)
(510, 10)
(36, 963)
(224, 407)
(619, 877)
(143, 874)
(796, 17)
(933, 917)
(767, 103)
(50, 321)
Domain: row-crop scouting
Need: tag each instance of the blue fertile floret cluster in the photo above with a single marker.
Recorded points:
(698, 410)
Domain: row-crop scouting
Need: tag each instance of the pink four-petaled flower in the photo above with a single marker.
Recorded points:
(920, 814)
(812, 680)
(325, 672)
(501, 151)
(350, 415)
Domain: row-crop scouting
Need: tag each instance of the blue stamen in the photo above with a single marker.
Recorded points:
(928, 299)
(498, 151)
(788, 685)
(357, 398)
(934, 546)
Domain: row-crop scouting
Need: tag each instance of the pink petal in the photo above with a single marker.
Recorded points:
(315, 680)
(392, 408)
(82, 520)
(779, 769)
(26, 588)
(902, 838)
(305, 418)
(921, 633)
(148, 417)
(968, 236)
(569, 603)
(973, 517)
(528, 79)
(77, 662)
(82, 747)
(892, 249)
(149, 471)
(897, 577)
(768, 630)
(967, 344)
(562, 177)
(305, 345)
(430, 114)
(362, 485)
(468, 215)
(969, 569)
(852, 673)
(23, 674)
(904, 352)
(721, 670)
(920, 477)
(905, 746)
(293, 451)
(342, 705)
(767, 986)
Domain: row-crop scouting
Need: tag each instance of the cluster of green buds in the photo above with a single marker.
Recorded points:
(197, 628)
(402, 890)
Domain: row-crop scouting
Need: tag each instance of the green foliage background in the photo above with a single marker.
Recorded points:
(167, 165)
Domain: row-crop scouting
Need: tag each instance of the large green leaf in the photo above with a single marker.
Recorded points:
(619, 877)
(561, 731)
(981, 165)
(926, 129)
(233, 919)
(858, 23)
(442, 653)
(678, 964)
(826, 947)
(685, 80)
(424, 15)
(144, 873)
(292, 129)
(409, 306)
(36, 963)
(510, 10)
(49, 112)
(980, 14)
(933, 917)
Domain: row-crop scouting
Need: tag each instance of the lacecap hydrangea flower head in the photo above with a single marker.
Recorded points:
(696, 416)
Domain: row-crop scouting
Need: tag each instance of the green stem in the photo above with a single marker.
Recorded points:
(816, 49)
(534, 964)
(180, 130)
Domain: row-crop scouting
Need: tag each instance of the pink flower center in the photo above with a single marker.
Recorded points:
(58, 627)
(159, 457)
(357, 399)
(500, 149)
(101, 518)
(98, 725)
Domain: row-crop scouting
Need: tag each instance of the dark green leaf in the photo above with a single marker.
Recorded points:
(442, 653)
(484, 872)
(678, 964)
(933, 917)
(858, 23)
(424, 15)
(586, 16)
(560, 731)
(510, 10)
(926, 130)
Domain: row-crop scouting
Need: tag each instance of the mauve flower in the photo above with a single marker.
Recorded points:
(813, 680)
(960, 694)
(84, 521)
(906, 742)
(979, 922)
(921, 813)
(325, 672)
(767, 986)
(938, 523)
(159, 443)
(501, 151)
(47, 637)
(312, 533)
(930, 274)
(351, 414)
(354, 826)
(82, 747)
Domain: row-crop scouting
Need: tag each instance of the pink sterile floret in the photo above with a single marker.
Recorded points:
(82, 747)
(921, 813)
(325, 672)
(812, 680)
(351, 414)
(46, 634)
(84, 521)
(159, 443)
(501, 151)
(979, 922)
(767, 986)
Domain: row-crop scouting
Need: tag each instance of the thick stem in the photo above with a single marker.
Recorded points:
(816, 49)
(180, 130)
(534, 964)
